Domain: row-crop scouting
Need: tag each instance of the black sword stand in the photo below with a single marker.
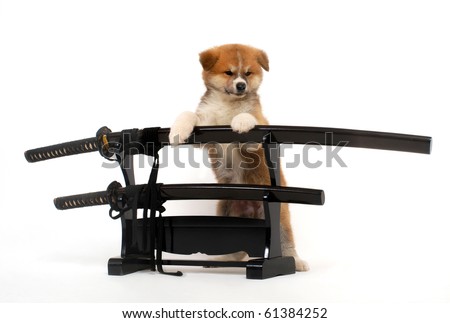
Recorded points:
(144, 239)
(211, 235)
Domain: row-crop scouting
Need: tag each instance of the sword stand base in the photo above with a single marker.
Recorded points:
(255, 269)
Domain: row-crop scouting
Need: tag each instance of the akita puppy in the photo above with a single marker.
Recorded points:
(232, 75)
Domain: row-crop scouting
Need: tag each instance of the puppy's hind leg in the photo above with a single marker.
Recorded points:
(287, 240)
(289, 250)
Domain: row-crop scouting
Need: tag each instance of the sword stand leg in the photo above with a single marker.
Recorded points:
(267, 268)
(128, 265)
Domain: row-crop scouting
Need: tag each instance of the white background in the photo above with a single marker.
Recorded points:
(70, 67)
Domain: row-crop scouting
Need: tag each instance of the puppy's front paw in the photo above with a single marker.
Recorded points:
(179, 134)
(182, 128)
(243, 122)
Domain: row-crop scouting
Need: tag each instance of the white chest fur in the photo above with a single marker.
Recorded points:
(217, 109)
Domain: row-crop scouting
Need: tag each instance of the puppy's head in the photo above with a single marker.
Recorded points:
(235, 70)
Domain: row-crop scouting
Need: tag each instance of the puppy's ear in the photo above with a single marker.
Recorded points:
(263, 60)
(208, 58)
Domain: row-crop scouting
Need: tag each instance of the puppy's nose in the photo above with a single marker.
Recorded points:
(240, 87)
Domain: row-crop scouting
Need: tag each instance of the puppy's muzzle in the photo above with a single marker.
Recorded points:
(240, 87)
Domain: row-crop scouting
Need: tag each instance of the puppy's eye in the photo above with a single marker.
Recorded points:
(229, 73)
(248, 73)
